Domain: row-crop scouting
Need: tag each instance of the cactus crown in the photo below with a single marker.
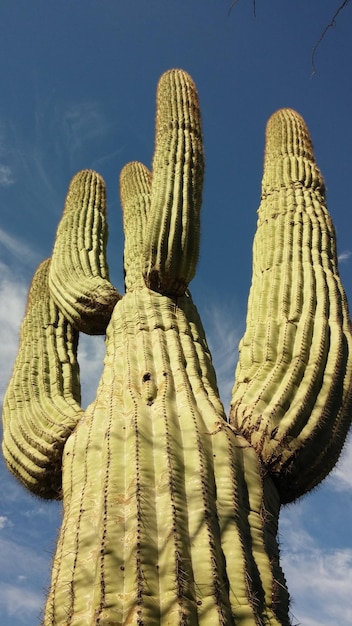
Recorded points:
(289, 156)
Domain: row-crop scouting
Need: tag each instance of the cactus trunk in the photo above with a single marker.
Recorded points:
(168, 515)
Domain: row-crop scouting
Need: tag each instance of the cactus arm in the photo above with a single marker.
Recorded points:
(135, 187)
(171, 244)
(292, 396)
(41, 404)
(79, 277)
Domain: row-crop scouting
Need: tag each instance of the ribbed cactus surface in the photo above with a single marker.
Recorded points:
(41, 405)
(79, 275)
(293, 379)
(171, 512)
(167, 512)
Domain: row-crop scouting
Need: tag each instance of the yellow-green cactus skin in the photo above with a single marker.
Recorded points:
(79, 275)
(42, 403)
(292, 396)
(170, 511)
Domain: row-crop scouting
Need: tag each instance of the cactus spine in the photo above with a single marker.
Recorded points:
(171, 512)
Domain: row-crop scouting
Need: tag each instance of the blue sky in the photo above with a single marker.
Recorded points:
(78, 84)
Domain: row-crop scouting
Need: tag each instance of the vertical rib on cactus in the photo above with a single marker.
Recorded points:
(292, 397)
(79, 275)
(41, 404)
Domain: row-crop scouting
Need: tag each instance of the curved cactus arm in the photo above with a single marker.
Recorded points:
(292, 397)
(135, 187)
(79, 276)
(171, 241)
(41, 405)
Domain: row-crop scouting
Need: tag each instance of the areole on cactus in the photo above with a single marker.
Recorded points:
(171, 511)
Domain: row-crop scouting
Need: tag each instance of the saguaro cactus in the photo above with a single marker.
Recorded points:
(170, 511)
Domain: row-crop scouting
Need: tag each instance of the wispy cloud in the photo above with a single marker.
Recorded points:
(64, 136)
(319, 579)
(6, 176)
(18, 248)
(344, 256)
(342, 474)
(224, 328)
(320, 583)
(18, 602)
(19, 559)
(91, 352)
(25, 552)
(12, 305)
(82, 123)
(23, 573)
(76, 129)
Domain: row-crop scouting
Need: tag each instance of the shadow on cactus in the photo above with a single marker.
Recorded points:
(170, 510)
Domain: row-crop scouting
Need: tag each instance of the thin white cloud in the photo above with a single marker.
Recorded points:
(19, 559)
(319, 579)
(91, 353)
(13, 296)
(18, 602)
(224, 329)
(83, 122)
(344, 256)
(3, 521)
(342, 474)
(17, 248)
(23, 575)
(75, 127)
(320, 582)
(6, 176)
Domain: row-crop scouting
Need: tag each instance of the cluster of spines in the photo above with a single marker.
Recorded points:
(79, 278)
(41, 405)
(292, 396)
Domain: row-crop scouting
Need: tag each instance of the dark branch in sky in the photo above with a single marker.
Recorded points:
(235, 2)
(331, 24)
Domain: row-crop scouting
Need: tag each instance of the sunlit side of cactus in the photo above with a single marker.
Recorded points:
(42, 402)
(170, 512)
(292, 396)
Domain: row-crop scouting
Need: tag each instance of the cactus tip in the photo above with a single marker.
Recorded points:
(287, 135)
